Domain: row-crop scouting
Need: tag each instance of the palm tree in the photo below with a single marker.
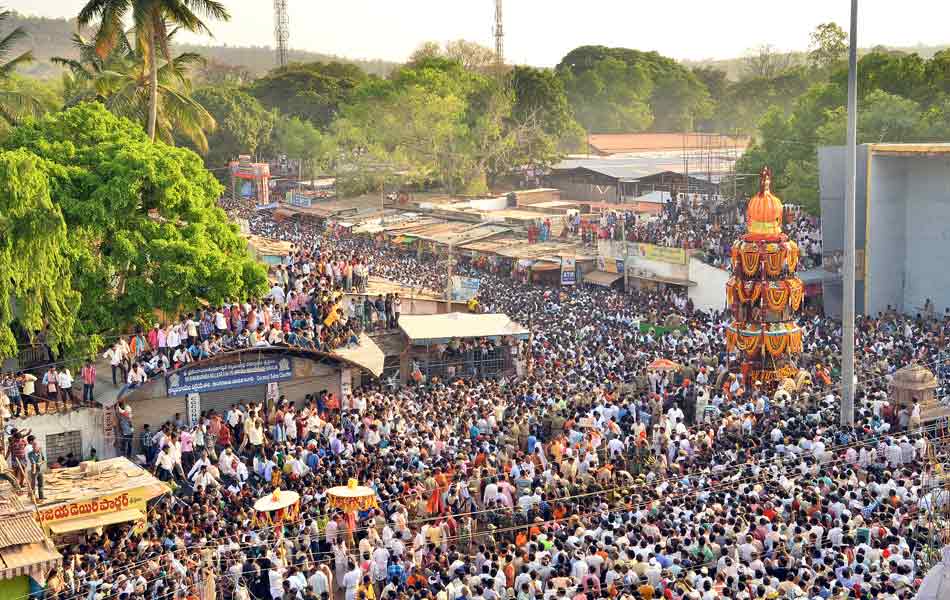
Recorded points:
(12, 103)
(151, 20)
(120, 81)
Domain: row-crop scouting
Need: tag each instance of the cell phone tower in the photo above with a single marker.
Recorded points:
(281, 31)
(499, 34)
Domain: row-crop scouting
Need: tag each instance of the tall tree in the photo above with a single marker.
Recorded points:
(119, 81)
(828, 45)
(882, 117)
(314, 91)
(12, 103)
(617, 90)
(153, 22)
(766, 62)
(301, 141)
(34, 256)
(471, 55)
(142, 227)
(243, 125)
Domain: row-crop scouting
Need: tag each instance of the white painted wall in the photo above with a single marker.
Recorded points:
(710, 291)
(89, 421)
(498, 203)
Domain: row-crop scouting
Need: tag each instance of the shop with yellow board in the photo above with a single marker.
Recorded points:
(96, 495)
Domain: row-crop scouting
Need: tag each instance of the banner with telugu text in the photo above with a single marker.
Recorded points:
(133, 499)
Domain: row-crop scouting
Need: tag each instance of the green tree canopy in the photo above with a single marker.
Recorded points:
(616, 90)
(141, 226)
(34, 255)
(434, 121)
(539, 96)
(244, 126)
(828, 45)
(302, 141)
(313, 92)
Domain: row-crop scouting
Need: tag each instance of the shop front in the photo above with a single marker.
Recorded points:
(94, 496)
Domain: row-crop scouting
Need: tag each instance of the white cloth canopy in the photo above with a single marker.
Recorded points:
(936, 585)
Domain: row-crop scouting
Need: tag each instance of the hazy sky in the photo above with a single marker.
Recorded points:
(540, 32)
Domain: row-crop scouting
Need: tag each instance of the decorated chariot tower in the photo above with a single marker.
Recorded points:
(763, 294)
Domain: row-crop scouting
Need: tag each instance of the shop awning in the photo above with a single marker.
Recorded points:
(441, 328)
(602, 278)
(35, 560)
(545, 266)
(366, 354)
(103, 520)
(669, 280)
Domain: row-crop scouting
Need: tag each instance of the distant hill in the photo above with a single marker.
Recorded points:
(51, 37)
(734, 66)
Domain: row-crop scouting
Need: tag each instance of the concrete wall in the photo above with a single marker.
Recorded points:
(710, 292)
(927, 219)
(831, 183)
(489, 203)
(87, 421)
(887, 242)
(415, 306)
(909, 243)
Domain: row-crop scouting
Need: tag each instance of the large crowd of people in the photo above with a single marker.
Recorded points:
(589, 476)
(696, 225)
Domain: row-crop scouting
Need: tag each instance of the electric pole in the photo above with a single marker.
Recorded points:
(448, 279)
(847, 310)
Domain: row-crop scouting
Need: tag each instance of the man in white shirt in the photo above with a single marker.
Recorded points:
(136, 376)
(318, 582)
(277, 293)
(165, 464)
(380, 567)
(115, 356)
(203, 479)
(202, 462)
(351, 581)
(65, 381)
(275, 578)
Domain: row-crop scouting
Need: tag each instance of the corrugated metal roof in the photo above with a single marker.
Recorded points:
(492, 245)
(9, 502)
(20, 529)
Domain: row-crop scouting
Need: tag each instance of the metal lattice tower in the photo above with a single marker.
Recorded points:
(499, 34)
(281, 31)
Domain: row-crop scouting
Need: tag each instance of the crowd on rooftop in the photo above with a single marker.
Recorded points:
(692, 224)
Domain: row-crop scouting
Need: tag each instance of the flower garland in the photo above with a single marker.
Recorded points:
(748, 291)
(750, 262)
(792, 256)
(776, 298)
(796, 292)
(776, 344)
(773, 263)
